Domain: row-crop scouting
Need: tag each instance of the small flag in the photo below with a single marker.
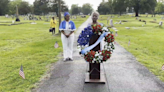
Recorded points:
(129, 43)
(163, 67)
(116, 34)
(21, 73)
(56, 45)
(115, 42)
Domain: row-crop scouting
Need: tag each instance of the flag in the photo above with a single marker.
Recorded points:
(56, 45)
(163, 67)
(114, 42)
(129, 43)
(116, 34)
(21, 73)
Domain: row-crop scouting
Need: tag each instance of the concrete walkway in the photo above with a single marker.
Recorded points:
(123, 74)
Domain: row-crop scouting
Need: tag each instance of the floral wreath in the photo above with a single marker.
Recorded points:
(96, 56)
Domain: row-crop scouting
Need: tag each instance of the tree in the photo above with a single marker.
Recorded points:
(159, 8)
(145, 5)
(4, 6)
(12, 6)
(104, 8)
(41, 6)
(24, 8)
(148, 6)
(119, 6)
(87, 8)
(75, 9)
(53, 5)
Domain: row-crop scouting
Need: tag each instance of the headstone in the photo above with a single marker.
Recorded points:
(6, 15)
(127, 27)
(162, 18)
(111, 23)
(160, 23)
(146, 14)
(13, 21)
(120, 22)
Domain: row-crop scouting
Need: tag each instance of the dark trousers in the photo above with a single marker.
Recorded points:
(53, 30)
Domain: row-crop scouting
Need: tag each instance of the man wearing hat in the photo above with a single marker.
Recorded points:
(67, 28)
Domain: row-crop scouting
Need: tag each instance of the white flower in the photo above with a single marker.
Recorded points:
(87, 35)
(99, 33)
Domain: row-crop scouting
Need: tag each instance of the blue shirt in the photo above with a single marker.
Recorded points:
(63, 26)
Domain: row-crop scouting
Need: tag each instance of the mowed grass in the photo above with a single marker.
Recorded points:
(146, 42)
(31, 46)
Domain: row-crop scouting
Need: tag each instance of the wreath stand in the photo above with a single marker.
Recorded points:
(94, 74)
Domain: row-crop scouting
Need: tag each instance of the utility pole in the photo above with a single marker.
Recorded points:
(59, 13)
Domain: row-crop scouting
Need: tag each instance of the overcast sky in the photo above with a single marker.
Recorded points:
(95, 3)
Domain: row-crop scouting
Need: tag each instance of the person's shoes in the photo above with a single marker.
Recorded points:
(70, 59)
(66, 59)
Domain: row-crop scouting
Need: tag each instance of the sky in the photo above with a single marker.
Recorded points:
(94, 3)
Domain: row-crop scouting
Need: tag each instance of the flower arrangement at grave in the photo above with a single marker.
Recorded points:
(96, 56)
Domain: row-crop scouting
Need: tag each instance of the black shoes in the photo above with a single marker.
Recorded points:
(68, 59)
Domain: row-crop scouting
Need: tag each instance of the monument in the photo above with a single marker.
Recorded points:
(17, 15)
(111, 23)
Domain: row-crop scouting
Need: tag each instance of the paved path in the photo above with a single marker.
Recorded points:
(123, 74)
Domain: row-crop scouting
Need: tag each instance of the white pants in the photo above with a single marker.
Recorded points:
(67, 45)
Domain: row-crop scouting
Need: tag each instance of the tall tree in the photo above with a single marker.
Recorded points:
(87, 8)
(119, 6)
(104, 8)
(4, 6)
(75, 9)
(53, 4)
(41, 6)
(159, 8)
(147, 5)
(24, 8)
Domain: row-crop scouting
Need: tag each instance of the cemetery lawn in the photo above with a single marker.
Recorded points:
(146, 43)
(31, 46)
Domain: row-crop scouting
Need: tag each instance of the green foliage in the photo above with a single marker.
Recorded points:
(45, 6)
(119, 6)
(23, 7)
(159, 8)
(4, 6)
(75, 9)
(105, 8)
(87, 8)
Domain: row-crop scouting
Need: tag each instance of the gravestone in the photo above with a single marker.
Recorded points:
(120, 22)
(162, 18)
(111, 23)
(160, 23)
(146, 14)
(13, 21)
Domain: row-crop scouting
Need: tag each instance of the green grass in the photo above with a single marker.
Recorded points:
(147, 42)
(29, 45)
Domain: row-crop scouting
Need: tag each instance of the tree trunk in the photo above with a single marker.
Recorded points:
(136, 13)
(120, 13)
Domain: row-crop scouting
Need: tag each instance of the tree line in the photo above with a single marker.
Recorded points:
(39, 7)
(138, 6)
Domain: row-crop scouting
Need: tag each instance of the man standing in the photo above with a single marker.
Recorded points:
(53, 24)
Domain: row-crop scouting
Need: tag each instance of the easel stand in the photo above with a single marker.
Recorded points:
(95, 75)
